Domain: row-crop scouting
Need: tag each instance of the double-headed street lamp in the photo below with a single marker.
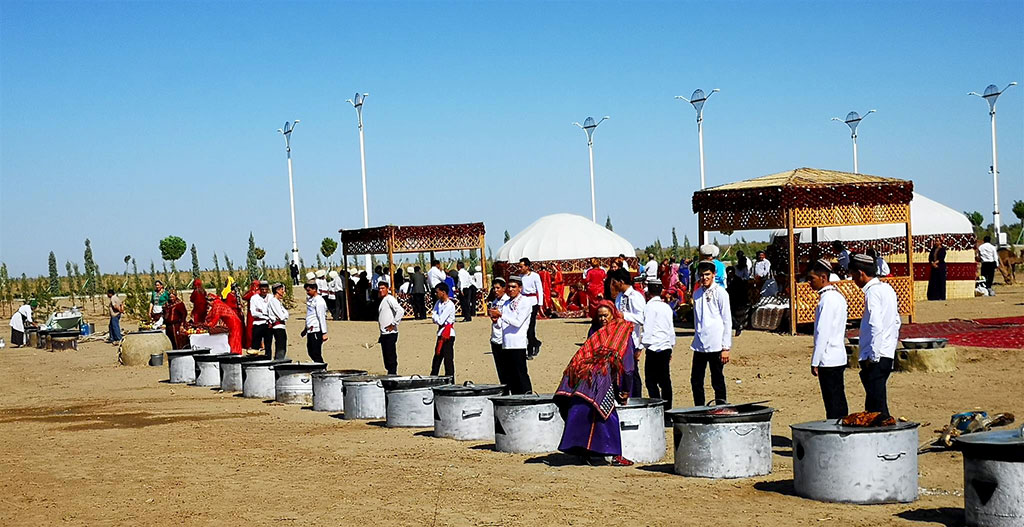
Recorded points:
(991, 94)
(357, 103)
(287, 133)
(852, 120)
(589, 126)
(697, 99)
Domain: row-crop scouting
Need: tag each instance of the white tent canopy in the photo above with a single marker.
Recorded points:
(927, 217)
(563, 237)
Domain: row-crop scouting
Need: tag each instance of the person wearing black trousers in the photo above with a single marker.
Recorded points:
(315, 331)
(712, 334)
(389, 314)
(828, 362)
(512, 317)
(879, 332)
(443, 315)
(659, 337)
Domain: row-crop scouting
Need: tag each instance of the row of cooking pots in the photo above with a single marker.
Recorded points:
(831, 462)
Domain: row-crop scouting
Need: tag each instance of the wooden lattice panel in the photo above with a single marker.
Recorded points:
(842, 215)
(365, 247)
(421, 244)
(742, 219)
(405, 300)
(807, 298)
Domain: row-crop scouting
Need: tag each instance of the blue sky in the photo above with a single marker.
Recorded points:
(126, 122)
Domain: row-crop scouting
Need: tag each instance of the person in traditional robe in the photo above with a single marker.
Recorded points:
(199, 305)
(558, 282)
(175, 315)
(247, 340)
(545, 282)
(157, 299)
(221, 312)
(630, 302)
(532, 292)
(937, 266)
(511, 318)
(579, 299)
(20, 320)
(594, 279)
(598, 378)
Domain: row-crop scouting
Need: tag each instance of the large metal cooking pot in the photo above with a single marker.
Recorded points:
(465, 412)
(364, 397)
(231, 370)
(405, 382)
(294, 384)
(525, 424)
(181, 365)
(712, 444)
(409, 401)
(258, 379)
(993, 478)
(208, 369)
(642, 429)
(328, 389)
(837, 463)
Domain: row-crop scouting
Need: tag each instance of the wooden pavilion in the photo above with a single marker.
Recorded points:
(812, 198)
(397, 239)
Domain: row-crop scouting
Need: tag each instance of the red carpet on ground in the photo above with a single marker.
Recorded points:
(1004, 333)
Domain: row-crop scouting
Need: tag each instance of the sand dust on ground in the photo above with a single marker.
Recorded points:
(84, 441)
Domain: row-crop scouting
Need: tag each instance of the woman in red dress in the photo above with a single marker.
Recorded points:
(199, 305)
(594, 279)
(175, 315)
(220, 311)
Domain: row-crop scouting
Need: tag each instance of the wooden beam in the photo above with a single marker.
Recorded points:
(910, 266)
(483, 272)
(792, 271)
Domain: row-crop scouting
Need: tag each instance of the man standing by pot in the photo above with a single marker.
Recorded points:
(712, 334)
(532, 292)
(419, 293)
(512, 316)
(467, 293)
(659, 337)
(631, 304)
(389, 314)
(116, 307)
(260, 315)
(278, 316)
(316, 322)
(879, 332)
(828, 362)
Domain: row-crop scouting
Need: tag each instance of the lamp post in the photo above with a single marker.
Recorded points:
(992, 92)
(357, 103)
(589, 126)
(287, 133)
(852, 120)
(697, 99)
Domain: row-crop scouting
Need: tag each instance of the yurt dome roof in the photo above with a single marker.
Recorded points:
(564, 237)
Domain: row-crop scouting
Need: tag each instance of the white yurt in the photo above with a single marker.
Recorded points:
(563, 238)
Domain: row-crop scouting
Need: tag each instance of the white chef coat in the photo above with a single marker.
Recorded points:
(478, 280)
(258, 309)
(651, 269)
(316, 315)
(988, 252)
(533, 288)
(659, 334)
(465, 279)
(880, 325)
(443, 315)
(631, 304)
(321, 286)
(390, 312)
(496, 328)
(16, 320)
(434, 276)
(762, 268)
(277, 313)
(515, 321)
(829, 328)
(712, 320)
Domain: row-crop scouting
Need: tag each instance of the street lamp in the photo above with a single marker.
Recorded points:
(991, 94)
(697, 99)
(357, 103)
(852, 120)
(287, 133)
(588, 126)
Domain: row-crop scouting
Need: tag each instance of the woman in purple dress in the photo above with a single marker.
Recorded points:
(599, 376)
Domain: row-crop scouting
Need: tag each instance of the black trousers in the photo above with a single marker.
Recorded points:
(467, 300)
(332, 305)
(702, 361)
(280, 343)
(447, 355)
(638, 384)
(988, 272)
(339, 307)
(419, 305)
(512, 369)
(261, 335)
(388, 345)
(874, 375)
(659, 380)
(833, 391)
(314, 346)
(532, 344)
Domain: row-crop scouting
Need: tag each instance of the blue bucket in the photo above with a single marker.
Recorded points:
(84, 330)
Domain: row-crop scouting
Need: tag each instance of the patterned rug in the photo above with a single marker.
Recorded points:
(1003, 333)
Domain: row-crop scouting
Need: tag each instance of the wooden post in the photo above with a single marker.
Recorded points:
(700, 229)
(391, 260)
(814, 245)
(910, 265)
(483, 272)
(792, 272)
(348, 293)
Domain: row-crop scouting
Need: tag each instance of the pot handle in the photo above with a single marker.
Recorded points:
(468, 383)
(304, 380)
(891, 457)
(628, 425)
(428, 399)
(743, 431)
(546, 416)
(379, 384)
(472, 412)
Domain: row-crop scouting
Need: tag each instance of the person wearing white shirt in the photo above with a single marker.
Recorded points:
(497, 299)
(336, 295)
(879, 332)
(278, 316)
(828, 362)
(651, 268)
(443, 315)
(316, 322)
(659, 337)
(842, 256)
(19, 320)
(467, 293)
(712, 334)
(881, 267)
(389, 314)
(511, 317)
(533, 291)
(762, 267)
(261, 338)
(435, 275)
(321, 284)
(989, 257)
(631, 304)
(478, 278)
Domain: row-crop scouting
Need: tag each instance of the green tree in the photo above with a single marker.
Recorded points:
(251, 262)
(71, 281)
(608, 223)
(507, 237)
(152, 272)
(92, 275)
(975, 217)
(319, 262)
(54, 278)
(23, 287)
(5, 288)
(327, 248)
(171, 249)
(218, 281)
(77, 281)
(675, 244)
(1018, 210)
(195, 263)
(136, 300)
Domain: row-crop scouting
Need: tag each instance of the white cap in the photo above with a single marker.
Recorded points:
(333, 274)
(709, 250)
(478, 268)
(321, 273)
(409, 269)
(310, 275)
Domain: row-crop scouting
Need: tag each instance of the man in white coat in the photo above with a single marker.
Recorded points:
(389, 314)
(631, 303)
(828, 362)
(712, 336)
(879, 332)
(513, 317)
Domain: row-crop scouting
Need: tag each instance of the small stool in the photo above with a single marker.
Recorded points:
(64, 343)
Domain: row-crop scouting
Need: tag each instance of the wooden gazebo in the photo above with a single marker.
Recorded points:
(398, 239)
(812, 198)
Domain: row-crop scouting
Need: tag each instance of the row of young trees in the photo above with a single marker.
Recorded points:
(1014, 231)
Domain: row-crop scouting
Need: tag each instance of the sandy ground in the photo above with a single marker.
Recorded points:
(88, 442)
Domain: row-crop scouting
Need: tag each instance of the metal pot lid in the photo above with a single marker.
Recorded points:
(232, 358)
(414, 381)
(212, 357)
(642, 402)
(832, 426)
(745, 413)
(145, 331)
(298, 367)
(469, 389)
(274, 362)
(523, 400)
(1003, 445)
(340, 373)
(196, 351)
(368, 379)
(923, 343)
